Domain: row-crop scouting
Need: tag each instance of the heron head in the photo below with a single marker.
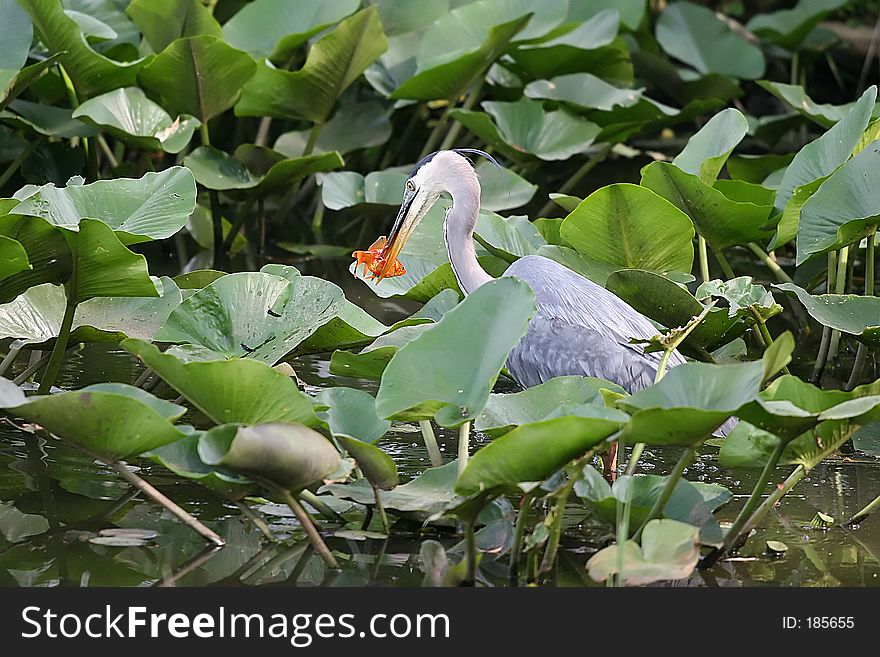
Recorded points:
(434, 174)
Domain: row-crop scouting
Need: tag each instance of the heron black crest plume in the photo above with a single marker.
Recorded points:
(476, 151)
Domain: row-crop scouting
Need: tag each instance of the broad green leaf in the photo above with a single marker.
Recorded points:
(377, 466)
(111, 420)
(596, 270)
(253, 314)
(790, 220)
(196, 280)
(140, 209)
(670, 550)
(845, 209)
(796, 96)
(351, 414)
(708, 150)
(508, 238)
(16, 34)
(583, 90)
(557, 397)
(47, 252)
(13, 82)
(630, 226)
(13, 257)
(722, 221)
(46, 120)
(334, 62)
(92, 73)
(756, 168)
(465, 350)
(201, 76)
(132, 117)
(288, 455)
(372, 360)
(276, 28)
(789, 27)
(849, 313)
(354, 126)
(403, 16)
(164, 21)
(696, 36)
(631, 11)
(239, 390)
(522, 130)
(502, 189)
(93, 29)
(821, 157)
(533, 452)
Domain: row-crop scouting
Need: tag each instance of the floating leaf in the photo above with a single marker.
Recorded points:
(16, 526)
(849, 313)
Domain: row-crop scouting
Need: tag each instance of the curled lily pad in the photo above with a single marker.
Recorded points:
(532, 452)
(288, 455)
(354, 126)
(377, 466)
(670, 550)
(849, 313)
(796, 96)
(132, 117)
(708, 149)
(253, 314)
(111, 420)
(351, 413)
(557, 397)
(466, 348)
(240, 390)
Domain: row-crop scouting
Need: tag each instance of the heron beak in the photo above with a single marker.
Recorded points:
(403, 227)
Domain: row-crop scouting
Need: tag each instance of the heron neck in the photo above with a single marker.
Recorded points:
(458, 233)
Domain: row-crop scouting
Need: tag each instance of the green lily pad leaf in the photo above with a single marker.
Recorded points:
(377, 466)
(483, 329)
(92, 28)
(46, 120)
(532, 452)
(694, 399)
(584, 91)
(351, 414)
(215, 169)
(14, 82)
(849, 313)
(372, 360)
(787, 228)
(556, 397)
(722, 221)
(755, 168)
(691, 502)
(16, 35)
(111, 420)
(47, 252)
(354, 126)
(276, 28)
(200, 76)
(741, 295)
(591, 46)
(821, 157)
(522, 130)
(696, 36)
(196, 280)
(670, 550)
(164, 21)
(508, 238)
(16, 526)
(253, 314)
(461, 45)
(502, 189)
(708, 150)
(132, 117)
(13, 257)
(789, 27)
(596, 270)
(630, 226)
(154, 206)
(824, 114)
(182, 458)
(672, 305)
(746, 192)
(239, 390)
(92, 73)
(425, 496)
(334, 62)
(844, 209)
(35, 317)
(289, 456)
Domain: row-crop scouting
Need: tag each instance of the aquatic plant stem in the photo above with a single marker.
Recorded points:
(576, 177)
(147, 489)
(558, 512)
(309, 528)
(839, 288)
(18, 161)
(865, 512)
(660, 503)
(781, 490)
(470, 543)
(434, 137)
(703, 251)
(318, 505)
(9, 359)
(431, 443)
(256, 518)
(58, 349)
(380, 508)
(464, 444)
(862, 352)
(519, 532)
(771, 264)
(724, 263)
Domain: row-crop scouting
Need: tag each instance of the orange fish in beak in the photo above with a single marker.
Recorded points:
(377, 264)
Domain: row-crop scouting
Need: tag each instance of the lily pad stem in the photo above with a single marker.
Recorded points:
(519, 532)
(704, 257)
(865, 512)
(18, 161)
(58, 350)
(256, 518)
(771, 264)
(470, 543)
(309, 528)
(558, 512)
(380, 508)
(839, 288)
(671, 482)
(431, 443)
(318, 505)
(781, 490)
(724, 263)
(464, 444)
(576, 177)
(862, 353)
(9, 358)
(147, 489)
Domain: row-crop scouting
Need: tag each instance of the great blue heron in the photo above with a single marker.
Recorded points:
(580, 327)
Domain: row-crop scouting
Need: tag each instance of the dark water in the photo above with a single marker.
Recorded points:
(56, 485)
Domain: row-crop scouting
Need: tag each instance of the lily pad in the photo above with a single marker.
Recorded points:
(377, 466)
(708, 149)
(112, 420)
(584, 91)
(13, 257)
(351, 414)
(240, 390)
(789, 27)
(164, 21)
(354, 126)
(466, 348)
(16, 526)
(372, 360)
(849, 313)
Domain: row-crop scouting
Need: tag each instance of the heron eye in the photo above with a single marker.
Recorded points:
(410, 185)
